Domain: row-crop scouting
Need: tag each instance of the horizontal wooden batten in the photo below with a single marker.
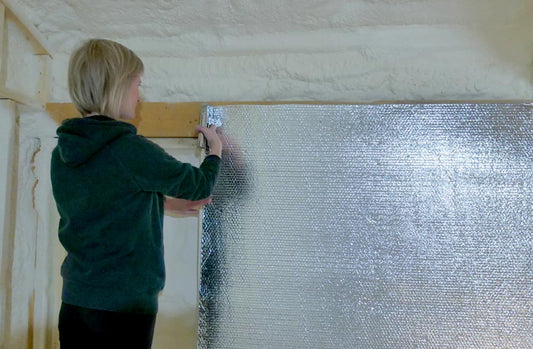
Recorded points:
(160, 120)
(179, 120)
(154, 119)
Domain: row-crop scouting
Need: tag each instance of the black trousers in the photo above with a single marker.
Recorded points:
(82, 328)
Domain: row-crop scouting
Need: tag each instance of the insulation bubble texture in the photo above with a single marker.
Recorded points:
(370, 226)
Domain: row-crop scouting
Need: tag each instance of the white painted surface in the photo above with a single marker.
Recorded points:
(177, 320)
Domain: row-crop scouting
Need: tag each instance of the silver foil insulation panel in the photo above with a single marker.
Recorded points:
(370, 226)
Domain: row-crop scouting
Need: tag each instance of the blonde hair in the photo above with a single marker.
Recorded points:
(99, 74)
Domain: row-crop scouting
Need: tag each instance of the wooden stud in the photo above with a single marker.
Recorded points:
(172, 120)
(167, 119)
(179, 120)
(3, 45)
(159, 120)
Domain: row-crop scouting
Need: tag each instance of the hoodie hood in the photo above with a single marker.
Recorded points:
(81, 138)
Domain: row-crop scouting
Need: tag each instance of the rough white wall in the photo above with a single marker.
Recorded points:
(337, 50)
(37, 136)
(414, 63)
(23, 69)
(23, 214)
(31, 281)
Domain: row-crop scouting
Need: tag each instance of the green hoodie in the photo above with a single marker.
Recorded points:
(109, 186)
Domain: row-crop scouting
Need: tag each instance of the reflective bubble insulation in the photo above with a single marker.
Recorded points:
(370, 226)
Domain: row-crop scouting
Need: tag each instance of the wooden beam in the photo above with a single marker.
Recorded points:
(40, 43)
(3, 44)
(172, 120)
(161, 120)
(179, 120)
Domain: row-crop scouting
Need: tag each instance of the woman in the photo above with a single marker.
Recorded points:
(110, 186)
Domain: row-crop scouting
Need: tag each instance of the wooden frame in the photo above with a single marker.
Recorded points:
(172, 120)
(179, 120)
(39, 49)
(157, 119)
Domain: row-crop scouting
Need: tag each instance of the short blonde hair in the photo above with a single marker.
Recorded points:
(99, 74)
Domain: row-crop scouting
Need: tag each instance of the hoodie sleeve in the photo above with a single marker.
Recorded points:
(153, 169)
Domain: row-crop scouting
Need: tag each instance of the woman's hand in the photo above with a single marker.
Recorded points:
(213, 139)
(184, 208)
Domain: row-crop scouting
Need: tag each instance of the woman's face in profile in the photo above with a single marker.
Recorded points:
(130, 100)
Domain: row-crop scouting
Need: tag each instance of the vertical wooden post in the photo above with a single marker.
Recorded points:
(3, 44)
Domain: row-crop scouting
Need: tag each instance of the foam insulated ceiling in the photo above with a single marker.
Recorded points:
(370, 226)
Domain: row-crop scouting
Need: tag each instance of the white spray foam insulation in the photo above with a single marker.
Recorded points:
(336, 50)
